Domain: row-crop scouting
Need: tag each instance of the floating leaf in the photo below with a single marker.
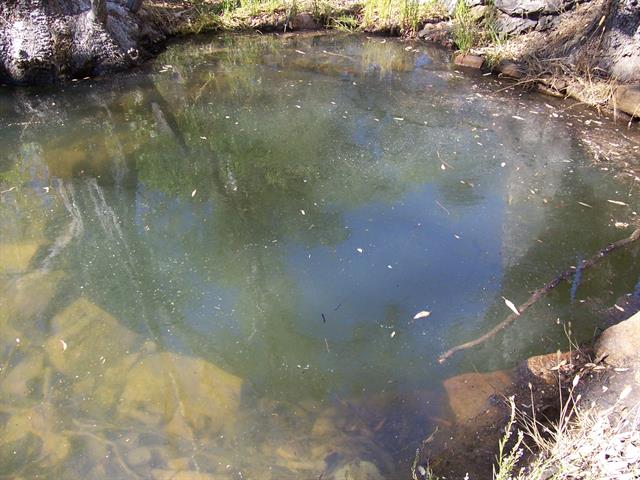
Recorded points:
(422, 314)
(511, 305)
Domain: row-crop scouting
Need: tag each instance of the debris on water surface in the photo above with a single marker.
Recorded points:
(421, 314)
(511, 305)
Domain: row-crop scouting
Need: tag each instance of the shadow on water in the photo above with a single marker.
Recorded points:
(209, 269)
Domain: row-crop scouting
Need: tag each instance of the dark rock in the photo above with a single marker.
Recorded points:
(437, 32)
(515, 25)
(531, 7)
(627, 99)
(546, 22)
(554, 82)
(305, 21)
(510, 69)
(42, 41)
(620, 47)
(468, 60)
(450, 5)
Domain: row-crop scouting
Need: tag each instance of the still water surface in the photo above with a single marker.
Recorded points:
(212, 265)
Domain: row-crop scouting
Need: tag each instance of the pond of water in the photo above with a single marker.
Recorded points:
(210, 268)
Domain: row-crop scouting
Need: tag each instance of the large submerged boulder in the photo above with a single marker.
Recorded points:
(42, 41)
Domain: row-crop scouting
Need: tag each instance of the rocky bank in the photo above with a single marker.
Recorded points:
(603, 381)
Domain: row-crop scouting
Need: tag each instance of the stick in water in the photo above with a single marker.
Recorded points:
(545, 289)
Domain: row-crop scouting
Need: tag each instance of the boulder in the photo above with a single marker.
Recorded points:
(43, 41)
(620, 344)
(532, 7)
(627, 99)
(515, 25)
(468, 60)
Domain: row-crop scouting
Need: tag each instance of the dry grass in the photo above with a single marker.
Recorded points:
(585, 442)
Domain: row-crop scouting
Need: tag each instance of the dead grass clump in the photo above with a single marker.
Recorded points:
(584, 443)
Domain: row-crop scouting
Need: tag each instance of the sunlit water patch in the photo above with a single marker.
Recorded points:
(210, 268)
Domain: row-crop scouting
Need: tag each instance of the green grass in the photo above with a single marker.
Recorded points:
(404, 17)
(465, 30)
(400, 16)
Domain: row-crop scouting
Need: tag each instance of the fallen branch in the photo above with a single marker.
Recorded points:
(545, 289)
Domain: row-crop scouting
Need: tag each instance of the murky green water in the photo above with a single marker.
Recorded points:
(211, 267)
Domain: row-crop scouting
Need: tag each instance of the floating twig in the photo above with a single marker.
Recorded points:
(545, 289)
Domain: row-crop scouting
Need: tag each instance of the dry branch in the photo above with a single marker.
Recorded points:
(545, 289)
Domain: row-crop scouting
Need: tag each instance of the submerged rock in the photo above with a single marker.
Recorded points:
(22, 300)
(183, 394)
(86, 340)
(16, 257)
(159, 474)
(472, 395)
(358, 470)
(32, 435)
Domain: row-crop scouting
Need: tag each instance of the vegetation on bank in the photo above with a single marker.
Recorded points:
(537, 61)
(398, 17)
(584, 443)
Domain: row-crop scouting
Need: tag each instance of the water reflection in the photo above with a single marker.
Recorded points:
(209, 269)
